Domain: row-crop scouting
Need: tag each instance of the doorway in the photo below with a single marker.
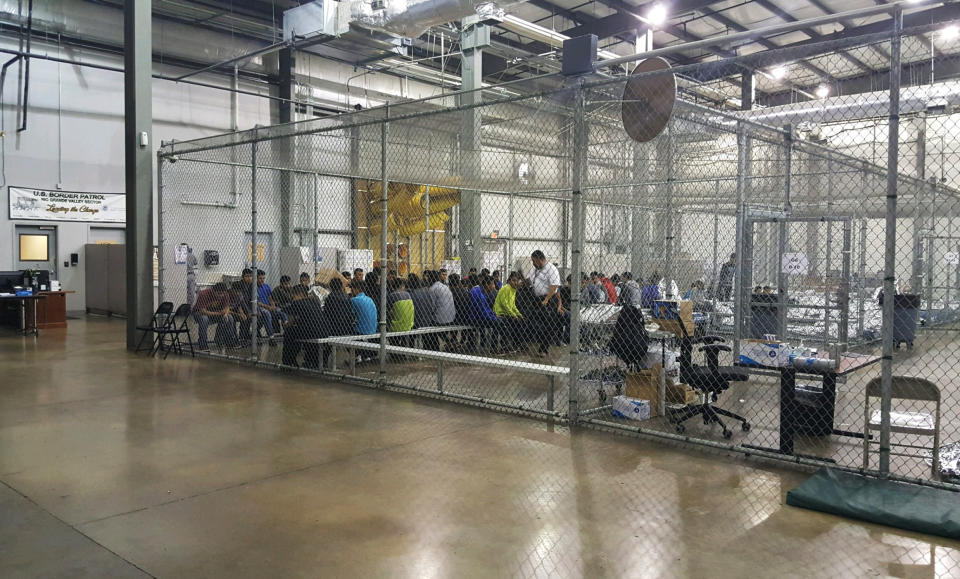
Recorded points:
(35, 247)
(266, 259)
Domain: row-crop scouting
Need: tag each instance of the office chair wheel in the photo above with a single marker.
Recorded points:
(745, 426)
(727, 433)
(680, 428)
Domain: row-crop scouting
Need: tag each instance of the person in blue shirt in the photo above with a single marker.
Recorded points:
(365, 310)
(480, 311)
(651, 292)
(272, 317)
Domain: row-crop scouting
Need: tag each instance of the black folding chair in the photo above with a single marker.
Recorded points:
(174, 331)
(161, 319)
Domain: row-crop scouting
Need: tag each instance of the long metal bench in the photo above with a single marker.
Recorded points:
(334, 341)
(550, 371)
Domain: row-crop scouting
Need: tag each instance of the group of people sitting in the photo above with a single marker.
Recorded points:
(504, 316)
(619, 289)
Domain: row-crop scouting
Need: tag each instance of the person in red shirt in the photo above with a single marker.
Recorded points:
(213, 306)
(609, 288)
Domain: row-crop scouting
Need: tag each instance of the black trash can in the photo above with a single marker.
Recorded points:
(906, 313)
(764, 311)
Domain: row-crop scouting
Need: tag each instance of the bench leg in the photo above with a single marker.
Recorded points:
(550, 393)
(333, 357)
(440, 376)
(353, 361)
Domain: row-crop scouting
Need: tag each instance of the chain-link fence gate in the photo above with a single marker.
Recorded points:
(518, 249)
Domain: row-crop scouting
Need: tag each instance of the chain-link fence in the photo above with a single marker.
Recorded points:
(720, 281)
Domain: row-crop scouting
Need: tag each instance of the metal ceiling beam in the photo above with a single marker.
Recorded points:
(730, 23)
(848, 24)
(917, 22)
(787, 17)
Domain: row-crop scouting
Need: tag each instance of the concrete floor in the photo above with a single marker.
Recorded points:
(115, 465)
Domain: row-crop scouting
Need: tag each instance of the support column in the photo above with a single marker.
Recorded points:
(138, 137)
(579, 181)
(474, 37)
(890, 248)
(747, 90)
(287, 150)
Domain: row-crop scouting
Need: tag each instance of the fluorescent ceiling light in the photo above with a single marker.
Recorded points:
(657, 15)
(823, 91)
(779, 72)
(950, 33)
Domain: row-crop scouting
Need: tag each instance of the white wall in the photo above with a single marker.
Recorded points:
(82, 109)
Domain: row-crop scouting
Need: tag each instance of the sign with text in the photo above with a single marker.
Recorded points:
(795, 264)
(47, 205)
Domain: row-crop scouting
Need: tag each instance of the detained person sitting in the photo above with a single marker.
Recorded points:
(505, 308)
(306, 323)
(213, 306)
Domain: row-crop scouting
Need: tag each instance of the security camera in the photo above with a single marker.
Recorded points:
(173, 159)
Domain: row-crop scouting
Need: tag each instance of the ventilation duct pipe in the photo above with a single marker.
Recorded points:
(411, 18)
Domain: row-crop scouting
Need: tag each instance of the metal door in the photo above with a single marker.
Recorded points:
(35, 247)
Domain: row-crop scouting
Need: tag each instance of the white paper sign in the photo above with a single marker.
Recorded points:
(795, 264)
(180, 254)
(67, 205)
(951, 257)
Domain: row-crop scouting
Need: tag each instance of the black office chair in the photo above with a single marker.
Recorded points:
(160, 320)
(174, 331)
(709, 380)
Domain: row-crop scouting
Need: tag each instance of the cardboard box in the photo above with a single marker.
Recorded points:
(682, 394)
(625, 407)
(765, 353)
(645, 385)
(674, 327)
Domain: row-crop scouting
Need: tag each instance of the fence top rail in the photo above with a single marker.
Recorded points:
(515, 365)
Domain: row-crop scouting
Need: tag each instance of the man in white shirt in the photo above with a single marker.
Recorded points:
(545, 280)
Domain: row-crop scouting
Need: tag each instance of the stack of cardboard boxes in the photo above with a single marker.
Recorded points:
(645, 385)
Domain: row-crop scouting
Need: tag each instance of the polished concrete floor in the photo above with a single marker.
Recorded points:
(113, 465)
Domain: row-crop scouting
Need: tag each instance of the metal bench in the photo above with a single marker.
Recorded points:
(334, 341)
(550, 371)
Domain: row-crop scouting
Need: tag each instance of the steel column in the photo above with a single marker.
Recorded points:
(138, 170)
(384, 210)
(254, 307)
(579, 176)
(889, 269)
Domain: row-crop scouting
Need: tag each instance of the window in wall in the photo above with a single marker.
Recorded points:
(34, 247)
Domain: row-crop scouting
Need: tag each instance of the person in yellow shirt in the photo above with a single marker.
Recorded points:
(505, 308)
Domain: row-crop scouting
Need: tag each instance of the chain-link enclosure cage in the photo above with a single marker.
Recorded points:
(722, 283)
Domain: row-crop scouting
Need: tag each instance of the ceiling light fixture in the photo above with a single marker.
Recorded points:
(657, 15)
(823, 91)
(950, 33)
(779, 72)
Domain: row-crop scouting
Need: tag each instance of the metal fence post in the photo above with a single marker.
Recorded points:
(738, 301)
(579, 168)
(384, 210)
(254, 309)
(891, 242)
(316, 222)
(160, 240)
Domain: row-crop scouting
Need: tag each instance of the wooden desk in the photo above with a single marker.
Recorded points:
(52, 311)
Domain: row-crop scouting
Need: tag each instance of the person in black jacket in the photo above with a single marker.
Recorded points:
(306, 323)
(338, 316)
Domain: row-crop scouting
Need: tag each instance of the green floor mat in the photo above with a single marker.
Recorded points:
(895, 504)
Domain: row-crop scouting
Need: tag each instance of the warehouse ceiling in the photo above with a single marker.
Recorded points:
(617, 23)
